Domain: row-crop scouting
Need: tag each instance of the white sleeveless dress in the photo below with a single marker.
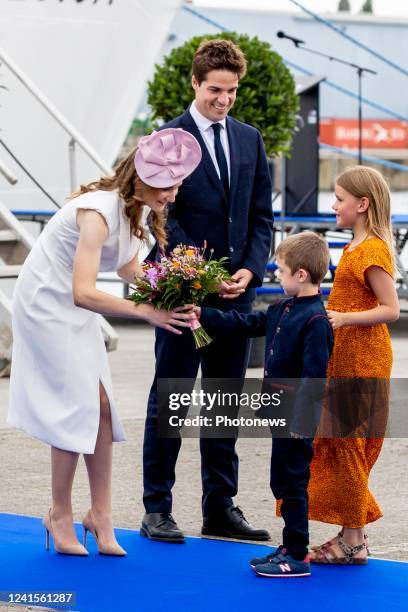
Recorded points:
(59, 354)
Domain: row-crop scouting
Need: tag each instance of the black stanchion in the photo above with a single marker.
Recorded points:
(300, 44)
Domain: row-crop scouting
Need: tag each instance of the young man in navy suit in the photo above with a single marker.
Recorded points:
(226, 203)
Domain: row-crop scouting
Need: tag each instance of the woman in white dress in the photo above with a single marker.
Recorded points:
(60, 386)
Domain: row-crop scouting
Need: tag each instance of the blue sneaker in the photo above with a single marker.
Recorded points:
(283, 565)
(266, 559)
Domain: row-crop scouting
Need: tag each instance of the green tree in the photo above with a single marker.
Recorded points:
(367, 7)
(344, 5)
(266, 99)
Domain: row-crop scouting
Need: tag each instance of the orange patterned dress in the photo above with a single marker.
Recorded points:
(338, 488)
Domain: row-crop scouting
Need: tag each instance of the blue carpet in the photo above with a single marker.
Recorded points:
(199, 576)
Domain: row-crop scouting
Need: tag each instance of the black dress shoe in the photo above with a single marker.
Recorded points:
(162, 527)
(231, 523)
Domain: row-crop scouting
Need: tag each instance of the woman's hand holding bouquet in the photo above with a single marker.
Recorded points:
(183, 316)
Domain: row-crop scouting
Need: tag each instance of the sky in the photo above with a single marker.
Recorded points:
(390, 8)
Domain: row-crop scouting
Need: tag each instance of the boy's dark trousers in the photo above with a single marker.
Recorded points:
(290, 473)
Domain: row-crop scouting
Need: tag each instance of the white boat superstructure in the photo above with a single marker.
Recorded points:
(91, 61)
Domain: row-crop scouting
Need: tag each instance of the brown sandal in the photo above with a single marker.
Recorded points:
(340, 535)
(326, 554)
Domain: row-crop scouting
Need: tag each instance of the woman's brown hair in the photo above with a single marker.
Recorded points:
(131, 189)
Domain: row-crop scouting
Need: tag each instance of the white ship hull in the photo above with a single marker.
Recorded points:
(91, 59)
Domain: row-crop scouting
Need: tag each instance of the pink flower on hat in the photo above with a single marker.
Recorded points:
(167, 157)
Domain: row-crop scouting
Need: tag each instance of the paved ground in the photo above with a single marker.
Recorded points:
(25, 473)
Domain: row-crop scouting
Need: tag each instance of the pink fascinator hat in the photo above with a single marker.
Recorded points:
(167, 157)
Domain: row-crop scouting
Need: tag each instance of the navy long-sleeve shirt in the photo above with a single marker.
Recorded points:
(299, 341)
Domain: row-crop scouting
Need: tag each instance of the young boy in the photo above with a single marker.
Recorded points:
(299, 341)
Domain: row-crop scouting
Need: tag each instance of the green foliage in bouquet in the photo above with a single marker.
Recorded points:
(266, 98)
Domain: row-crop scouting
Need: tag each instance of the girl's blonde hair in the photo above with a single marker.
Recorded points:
(365, 182)
(132, 191)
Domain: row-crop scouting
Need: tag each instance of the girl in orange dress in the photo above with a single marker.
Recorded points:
(362, 301)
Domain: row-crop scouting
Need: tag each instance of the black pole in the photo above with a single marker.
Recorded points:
(360, 118)
(360, 70)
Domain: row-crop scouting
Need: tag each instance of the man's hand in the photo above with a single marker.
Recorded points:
(231, 289)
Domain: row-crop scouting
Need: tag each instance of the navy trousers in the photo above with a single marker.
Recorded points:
(177, 357)
(290, 474)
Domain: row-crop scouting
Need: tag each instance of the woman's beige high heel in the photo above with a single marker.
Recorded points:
(72, 549)
(113, 548)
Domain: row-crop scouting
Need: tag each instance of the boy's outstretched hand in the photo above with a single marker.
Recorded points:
(197, 311)
(190, 309)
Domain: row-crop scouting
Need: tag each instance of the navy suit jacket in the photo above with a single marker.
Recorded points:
(238, 227)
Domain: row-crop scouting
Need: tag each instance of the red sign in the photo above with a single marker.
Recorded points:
(377, 133)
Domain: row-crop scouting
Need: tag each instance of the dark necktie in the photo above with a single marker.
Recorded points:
(221, 159)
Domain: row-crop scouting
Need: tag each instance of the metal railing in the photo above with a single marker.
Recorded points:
(75, 137)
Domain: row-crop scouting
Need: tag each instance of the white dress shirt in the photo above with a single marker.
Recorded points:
(207, 133)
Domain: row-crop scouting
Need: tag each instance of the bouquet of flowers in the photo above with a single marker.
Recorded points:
(184, 277)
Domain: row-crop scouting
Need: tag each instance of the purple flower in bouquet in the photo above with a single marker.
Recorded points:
(152, 275)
